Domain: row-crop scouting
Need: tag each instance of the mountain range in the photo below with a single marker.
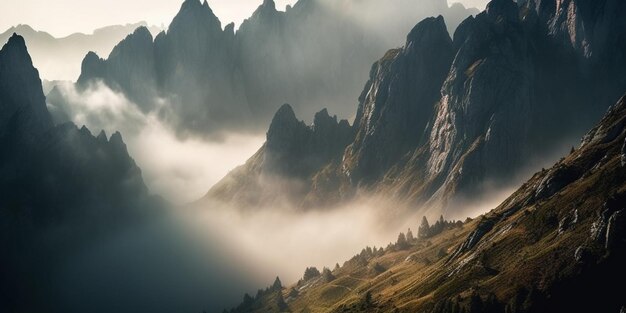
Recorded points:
(56, 182)
(217, 79)
(60, 58)
(443, 120)
(439, 122)
(555, 245)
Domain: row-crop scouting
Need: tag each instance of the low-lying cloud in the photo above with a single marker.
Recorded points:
(180, 169)
(205, 257)
(284, 241)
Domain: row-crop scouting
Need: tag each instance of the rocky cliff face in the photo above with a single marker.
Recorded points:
(312, 55)
(511, 91)
(488, 101)
(596, 32)
(283, 168)
(398, 101)
(441, 121)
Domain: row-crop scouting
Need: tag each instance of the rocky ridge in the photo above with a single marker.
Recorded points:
(293, 152)
(59, 185)
(539, 251)
(439, 129)
(214, 78)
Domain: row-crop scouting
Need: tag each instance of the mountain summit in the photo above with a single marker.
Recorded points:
(23, 106)
(217, 80)
(442, 121)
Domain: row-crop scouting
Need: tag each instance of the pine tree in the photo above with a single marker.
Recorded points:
(409, 236)
(401, 243)
(310, 272)
(327, 276)
(424, 230)
(277, 285)
(247, 300)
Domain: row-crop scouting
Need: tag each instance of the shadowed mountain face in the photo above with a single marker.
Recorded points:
(281, 171)
(55, 183)
(314, 55)
(60, 58)
(563, 231)
(38, 155)
(442, 120)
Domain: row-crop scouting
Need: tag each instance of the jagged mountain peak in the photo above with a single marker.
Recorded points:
(506, 9)
(16, 46)
(266, 12)
(230, 29)
(116, 139)
(429, 30)
(102, 137)
(269, 4)
(91, 67)
(142, 31)
(22, 27)
(91, 55)
(322, 116)
(284, 113)
(324, 122)
(284, 122)
(21, 94)
(141, 38)
(195, 14)
(189, 4)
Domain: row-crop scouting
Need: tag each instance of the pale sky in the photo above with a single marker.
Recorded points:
(63, 17)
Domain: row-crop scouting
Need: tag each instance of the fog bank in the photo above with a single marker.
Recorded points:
(180, 169)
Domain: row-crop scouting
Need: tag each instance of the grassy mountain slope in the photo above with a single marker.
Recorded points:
(556, 245)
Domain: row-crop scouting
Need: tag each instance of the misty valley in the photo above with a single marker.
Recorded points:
(431, 156)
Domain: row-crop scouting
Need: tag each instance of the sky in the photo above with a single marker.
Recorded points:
(64, 17)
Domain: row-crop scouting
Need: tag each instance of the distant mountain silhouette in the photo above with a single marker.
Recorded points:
(217, 79)
(59, 185)
(60, 58)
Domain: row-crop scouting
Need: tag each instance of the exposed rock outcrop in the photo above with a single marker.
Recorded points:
(398, 101)
(595, 31)
(283, 169)
(441, 121)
